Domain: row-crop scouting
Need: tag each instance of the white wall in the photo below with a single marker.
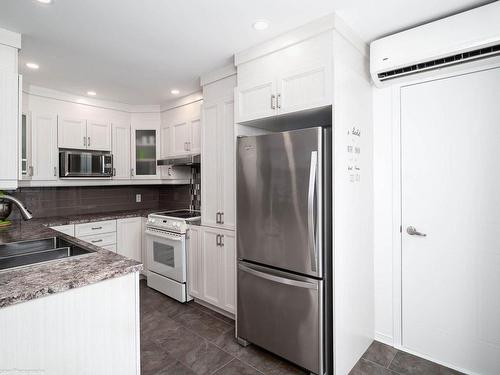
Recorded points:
(41, 104)
(353, 204)
(383, 207)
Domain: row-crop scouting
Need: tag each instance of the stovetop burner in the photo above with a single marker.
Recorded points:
(181, 214)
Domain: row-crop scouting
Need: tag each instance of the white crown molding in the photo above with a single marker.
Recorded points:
(218, 74)
(76, 99)
(321, 25)
(185, 100)
(10, 38)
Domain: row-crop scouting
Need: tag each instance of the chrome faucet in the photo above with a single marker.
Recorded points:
(26, 214)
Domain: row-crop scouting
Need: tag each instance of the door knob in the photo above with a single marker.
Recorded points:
(412, 231)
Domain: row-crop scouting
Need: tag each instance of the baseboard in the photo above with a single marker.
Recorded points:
(214, 308)
(385, 339)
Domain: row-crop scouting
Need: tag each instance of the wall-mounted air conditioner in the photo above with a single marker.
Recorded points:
(465, 37)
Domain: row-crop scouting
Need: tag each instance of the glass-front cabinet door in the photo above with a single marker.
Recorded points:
(145, 153)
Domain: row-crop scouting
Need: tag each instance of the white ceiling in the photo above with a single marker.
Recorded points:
(136, 51)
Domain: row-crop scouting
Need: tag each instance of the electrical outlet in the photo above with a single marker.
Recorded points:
(138, 198)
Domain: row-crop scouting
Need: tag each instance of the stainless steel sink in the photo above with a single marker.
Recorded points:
(23, 253)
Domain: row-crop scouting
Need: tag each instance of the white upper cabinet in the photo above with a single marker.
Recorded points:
(44, 153)
(71, 132)
(218, 158)
(288, 80)
(77, 133)
(180, 130)
(98, 135)
(10, 111)
(181, 136)
(121, 151)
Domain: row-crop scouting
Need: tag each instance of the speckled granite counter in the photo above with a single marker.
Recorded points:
(34, 281)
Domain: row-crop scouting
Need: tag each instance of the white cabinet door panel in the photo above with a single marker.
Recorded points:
(129, 237)
(98, 135)
(9, 119)
(121, 152)
(211, 260)
(165, 140)
(209, 173)
(195, 141)
(44, 153)
(71, 133)
(304, 89)
(227, 163)
(228, 272)
(194, 262)
(257, 101)
(181, 135)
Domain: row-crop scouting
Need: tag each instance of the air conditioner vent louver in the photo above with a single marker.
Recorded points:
(460, 58)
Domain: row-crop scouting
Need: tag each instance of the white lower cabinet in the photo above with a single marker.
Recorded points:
(123, 236)
(129, 237)
(212, 266)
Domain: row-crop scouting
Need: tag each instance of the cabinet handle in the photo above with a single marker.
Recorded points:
(217, 217)
(221, 218)
(131, 171)
(88, 141)
(55, 171)
(85, 141)
(221, 240)
(217, 240)
(114, 171)
(95, 241)
(273, 101)
(278, 101)
(96, 228)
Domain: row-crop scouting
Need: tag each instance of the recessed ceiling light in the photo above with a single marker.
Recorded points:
(175, 92)
(45, 1)
(260, 25)
(91, 93)
(32, 65)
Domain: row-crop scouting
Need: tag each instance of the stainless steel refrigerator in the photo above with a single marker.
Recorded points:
(284, 245)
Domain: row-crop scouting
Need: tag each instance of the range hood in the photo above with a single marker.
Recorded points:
(181, 160)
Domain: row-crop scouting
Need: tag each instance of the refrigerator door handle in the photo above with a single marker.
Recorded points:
(310, 209)
(278, 279)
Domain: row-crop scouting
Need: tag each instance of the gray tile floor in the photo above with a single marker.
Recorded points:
(188, 339)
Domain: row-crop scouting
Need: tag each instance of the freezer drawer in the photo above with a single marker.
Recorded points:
(282, 313)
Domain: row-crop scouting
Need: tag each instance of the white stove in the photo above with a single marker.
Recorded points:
(174, 221)
(166, 251)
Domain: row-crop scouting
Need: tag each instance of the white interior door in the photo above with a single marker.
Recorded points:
(450, 134)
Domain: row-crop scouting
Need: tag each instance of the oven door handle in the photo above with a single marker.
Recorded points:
(164, 236)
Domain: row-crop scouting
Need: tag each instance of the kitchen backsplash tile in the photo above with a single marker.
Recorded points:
(62, 201)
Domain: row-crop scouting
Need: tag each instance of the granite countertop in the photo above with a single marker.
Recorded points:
(38, 280)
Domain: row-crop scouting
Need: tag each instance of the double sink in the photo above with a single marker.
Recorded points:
(24, 253)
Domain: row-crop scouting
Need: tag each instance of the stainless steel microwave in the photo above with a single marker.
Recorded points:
(85, 164)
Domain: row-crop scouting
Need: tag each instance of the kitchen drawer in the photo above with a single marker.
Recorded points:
(110, 247)
(97, 227)
(100, 239)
